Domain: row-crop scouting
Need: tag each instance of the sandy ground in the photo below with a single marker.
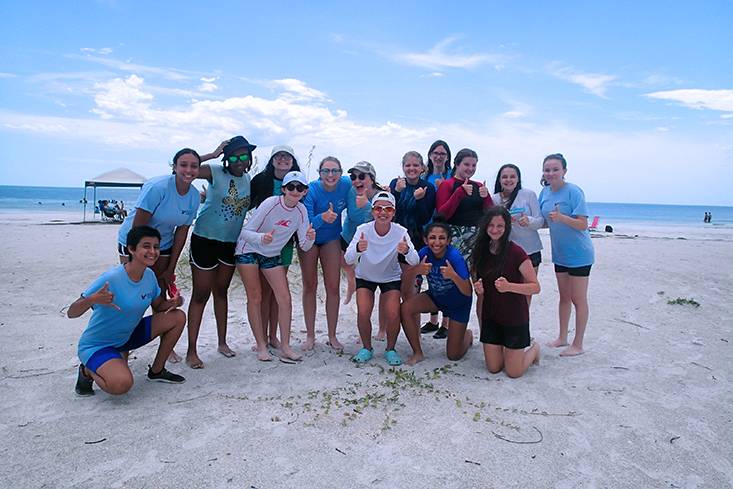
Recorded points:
(650, 404)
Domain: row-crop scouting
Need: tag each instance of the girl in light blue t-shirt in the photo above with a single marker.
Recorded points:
(563, 208)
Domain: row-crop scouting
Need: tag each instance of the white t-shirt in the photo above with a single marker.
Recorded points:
(378, 263)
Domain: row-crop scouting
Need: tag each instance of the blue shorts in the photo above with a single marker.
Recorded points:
(259, 260)
(456, 312)
(139, 337)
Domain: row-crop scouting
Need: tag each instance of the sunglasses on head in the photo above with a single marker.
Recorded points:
(360, 176)
(293, 186)
(242, 158)
(332, 171)
(385, 208)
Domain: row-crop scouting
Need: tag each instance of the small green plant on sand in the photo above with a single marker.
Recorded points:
(680, 301)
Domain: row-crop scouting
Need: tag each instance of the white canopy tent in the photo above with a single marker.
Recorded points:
(121, 177)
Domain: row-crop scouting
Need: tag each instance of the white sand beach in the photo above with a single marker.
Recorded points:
(650, 403)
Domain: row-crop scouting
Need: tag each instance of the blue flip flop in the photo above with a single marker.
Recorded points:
(393, 358)
(363, 356)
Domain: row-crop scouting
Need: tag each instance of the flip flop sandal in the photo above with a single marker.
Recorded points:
(393, 358)
(363, 356)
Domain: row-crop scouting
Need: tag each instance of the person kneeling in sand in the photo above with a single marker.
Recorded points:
(377, 246)
(505, 277)
(119, 299)
(450, 292)
(259, 248)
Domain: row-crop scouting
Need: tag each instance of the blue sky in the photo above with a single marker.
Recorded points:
(637, 95)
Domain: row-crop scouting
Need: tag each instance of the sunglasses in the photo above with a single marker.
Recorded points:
(283, 157)
(360, 176)
(332, 171)
(380, 208)
(299, 187)
(242, 158)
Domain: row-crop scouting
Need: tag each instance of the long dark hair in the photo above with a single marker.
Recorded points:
(439, 142)
(498, 188)
(555, 156)
(263, 184)
(482, 245)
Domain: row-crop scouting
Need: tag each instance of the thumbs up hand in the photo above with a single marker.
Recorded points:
(467, 187)
(310, 235)
(402, 247)
(267, 237)
(449, 272)
(483, 191)
(400, 185)
(361, 246)
(556, 215)
(362, 199)
(329, 216)
(423, 268)
(523, 220)
(420, 192)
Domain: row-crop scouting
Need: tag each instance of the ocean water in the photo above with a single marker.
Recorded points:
(20, 199)
(43, 199)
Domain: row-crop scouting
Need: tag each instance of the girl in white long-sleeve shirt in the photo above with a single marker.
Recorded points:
(258, 249)
(524, 208)
(377, 246)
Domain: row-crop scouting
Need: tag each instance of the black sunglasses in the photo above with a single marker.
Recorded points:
(360, 176)
(299, 187)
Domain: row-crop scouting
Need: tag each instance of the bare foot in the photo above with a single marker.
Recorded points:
(193, 361)
(226, 351)
(174, 357)
(335, 344)
(275, 343)
(349, 295)
(572, 351)
(263, 355)
(417, 357)
(381, 335)
(308, 345)
(536, 360)
(287, 352)
(557, 342)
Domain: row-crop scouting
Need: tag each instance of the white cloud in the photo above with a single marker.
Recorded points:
(297, 90)
(593, 83)
(96, 51)
(8, 75)
(698, 99)
(208, 87)
(438, 57)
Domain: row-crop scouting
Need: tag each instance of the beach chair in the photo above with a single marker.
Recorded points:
(109, 214)
(594, 225)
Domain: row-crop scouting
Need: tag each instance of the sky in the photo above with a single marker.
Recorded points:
(638, 96)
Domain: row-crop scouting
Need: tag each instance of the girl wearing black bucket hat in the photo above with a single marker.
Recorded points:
(214, 236)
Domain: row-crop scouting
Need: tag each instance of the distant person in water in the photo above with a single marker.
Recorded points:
(119, 299)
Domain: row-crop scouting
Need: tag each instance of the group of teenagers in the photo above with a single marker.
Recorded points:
(431, 224)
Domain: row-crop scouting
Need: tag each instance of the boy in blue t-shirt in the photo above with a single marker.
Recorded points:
(119, 299)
